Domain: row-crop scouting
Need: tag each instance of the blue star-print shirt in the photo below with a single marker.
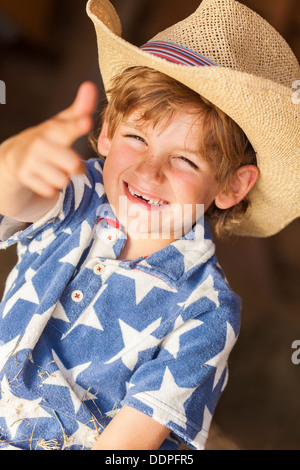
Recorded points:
(83, 333)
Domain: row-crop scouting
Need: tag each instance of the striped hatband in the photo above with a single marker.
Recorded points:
(175, 53)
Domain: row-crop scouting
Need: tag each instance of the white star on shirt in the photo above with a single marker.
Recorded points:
(84, 436)
(67, 378)
(198, 250)
(79, 184)
(100, 248)
(74, 255)
(36, 246)
(26, 292)
(34, 329)
(134, 342)
(144, 283)
(171, 342)
(167, 402)
(89, 317)
(10, 280)
(206, 289)
(220, 360)
(97, 167)
(15, 410)
(200, 439)
(59, 313)
(6, 350)
(99, 188)
(112, 413)
(207, 417)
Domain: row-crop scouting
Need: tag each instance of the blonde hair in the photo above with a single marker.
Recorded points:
(223, 144)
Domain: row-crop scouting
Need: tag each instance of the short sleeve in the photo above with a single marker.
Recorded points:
(181, 386)
(12, 231)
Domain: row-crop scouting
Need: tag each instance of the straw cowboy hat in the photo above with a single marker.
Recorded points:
(231, 56)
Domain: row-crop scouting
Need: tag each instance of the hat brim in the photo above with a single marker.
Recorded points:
(262, 108)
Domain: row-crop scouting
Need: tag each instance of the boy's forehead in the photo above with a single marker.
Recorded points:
(135, 118)
(187, 116)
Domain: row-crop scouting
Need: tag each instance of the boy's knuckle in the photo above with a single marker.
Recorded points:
(75, 164)
(23, 177)
(49, 125)
(62, 181)
(28, 161)
(50, 192)
(54, 124)
(23, 171)
(36, 144)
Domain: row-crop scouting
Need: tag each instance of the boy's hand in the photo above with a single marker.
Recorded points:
(41, 158)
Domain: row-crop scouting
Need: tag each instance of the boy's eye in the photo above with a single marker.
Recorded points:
(136, 137)
(190, 162)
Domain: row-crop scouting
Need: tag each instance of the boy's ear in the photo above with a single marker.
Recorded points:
(241, 183)
(104, 141)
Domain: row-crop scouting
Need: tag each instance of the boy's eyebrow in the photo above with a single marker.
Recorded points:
(193, 152)
(133, 124)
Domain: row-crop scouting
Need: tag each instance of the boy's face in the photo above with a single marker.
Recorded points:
(154, 178)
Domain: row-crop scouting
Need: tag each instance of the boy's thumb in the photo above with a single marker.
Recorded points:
(75, 121)
(84, 104)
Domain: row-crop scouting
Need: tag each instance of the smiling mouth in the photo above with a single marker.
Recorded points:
(145, 198)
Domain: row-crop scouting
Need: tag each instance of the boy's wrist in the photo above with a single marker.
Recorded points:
(14, 196)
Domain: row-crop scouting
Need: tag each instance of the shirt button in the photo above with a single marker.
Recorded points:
(109, 236)
(77, 296)
(99, 269)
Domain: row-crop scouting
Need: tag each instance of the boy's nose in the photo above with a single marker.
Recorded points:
(150, 168)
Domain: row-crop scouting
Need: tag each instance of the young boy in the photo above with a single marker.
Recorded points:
(117, 321)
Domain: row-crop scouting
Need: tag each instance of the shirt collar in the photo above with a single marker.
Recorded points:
(178, 260)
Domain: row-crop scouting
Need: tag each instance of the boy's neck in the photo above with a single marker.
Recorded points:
(137, 248)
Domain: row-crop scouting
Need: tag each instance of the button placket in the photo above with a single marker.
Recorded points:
(83, 288)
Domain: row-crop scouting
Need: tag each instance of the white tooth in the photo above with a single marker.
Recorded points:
(133, 193)
(155, 202)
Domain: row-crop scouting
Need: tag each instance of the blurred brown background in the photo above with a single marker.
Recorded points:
(47, 48)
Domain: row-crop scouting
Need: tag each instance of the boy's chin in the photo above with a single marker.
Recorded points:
(167, 230)
(171, 222)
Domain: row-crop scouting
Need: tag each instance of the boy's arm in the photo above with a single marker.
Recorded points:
(37, 163)
(132, 430)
